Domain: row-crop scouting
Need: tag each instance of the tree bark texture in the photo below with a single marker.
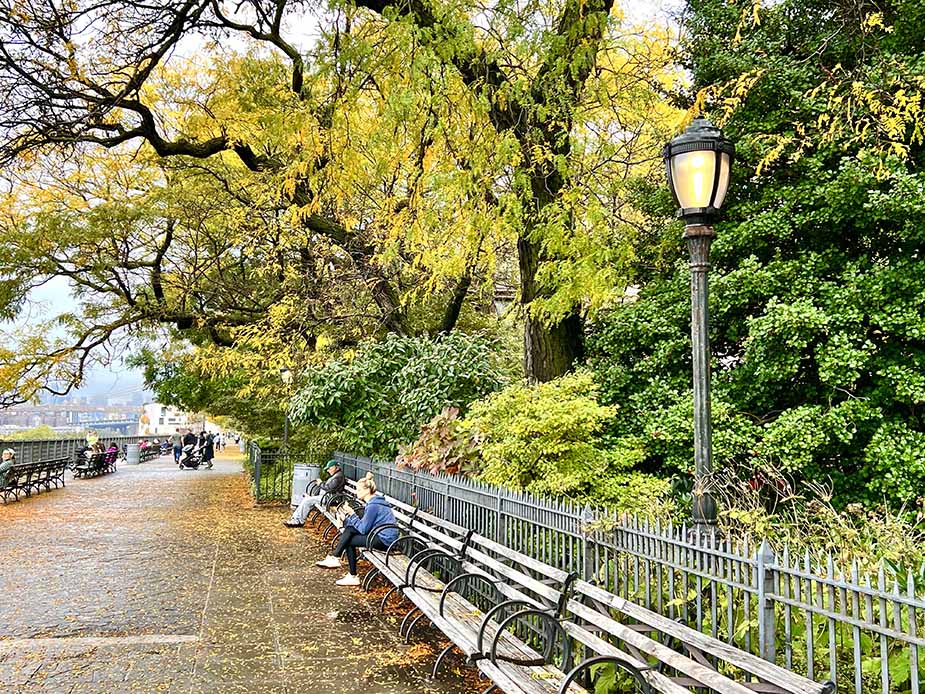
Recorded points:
(550, 349)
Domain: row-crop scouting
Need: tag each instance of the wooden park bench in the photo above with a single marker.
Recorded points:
(148, 454)
(25, 479)
(96, 464)
(534, 629)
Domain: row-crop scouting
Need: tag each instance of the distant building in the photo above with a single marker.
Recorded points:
(504, 295)
(163, 420)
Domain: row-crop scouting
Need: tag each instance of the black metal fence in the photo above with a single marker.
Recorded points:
(271, 469)
(804, 612)
(50, 449)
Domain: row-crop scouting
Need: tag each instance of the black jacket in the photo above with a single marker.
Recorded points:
(335, 483)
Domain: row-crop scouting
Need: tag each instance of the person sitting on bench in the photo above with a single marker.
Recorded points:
(6, 463)
(334, 484)
(356, 531)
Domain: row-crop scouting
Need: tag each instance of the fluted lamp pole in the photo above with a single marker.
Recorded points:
(286, 376)
(698, 163)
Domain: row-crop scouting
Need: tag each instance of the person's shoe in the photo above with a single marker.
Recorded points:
(348, 580)
(291, 524)
(329, 562)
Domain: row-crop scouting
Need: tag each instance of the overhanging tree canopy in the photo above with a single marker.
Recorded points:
(336, 182)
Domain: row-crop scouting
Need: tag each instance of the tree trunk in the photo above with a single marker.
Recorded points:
(550, 350)
(455, 304)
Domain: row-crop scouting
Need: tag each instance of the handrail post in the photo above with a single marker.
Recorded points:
(587, 559)
(500, 532)
(256, 452)
(764, 582)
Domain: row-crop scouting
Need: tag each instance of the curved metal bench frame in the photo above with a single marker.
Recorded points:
(585, 665)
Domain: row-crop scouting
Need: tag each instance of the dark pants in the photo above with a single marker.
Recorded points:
(350, 539)
(177, 450)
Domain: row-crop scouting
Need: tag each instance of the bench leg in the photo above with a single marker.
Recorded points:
(327, 530)
(401, 628)
(411, 627)
(386, 598)
(443, 654)
(370, 577)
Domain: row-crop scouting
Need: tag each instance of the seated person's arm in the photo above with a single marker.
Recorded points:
(365, 524)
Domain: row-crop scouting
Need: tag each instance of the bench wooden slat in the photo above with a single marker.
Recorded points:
(764, 669)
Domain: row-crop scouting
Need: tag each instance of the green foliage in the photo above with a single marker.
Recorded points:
(818, 283)
(379, 398)
(177, 380)
(41, 432)
(546, 439)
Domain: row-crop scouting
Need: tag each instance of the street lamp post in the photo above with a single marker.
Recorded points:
(286, 375)
(698, 163)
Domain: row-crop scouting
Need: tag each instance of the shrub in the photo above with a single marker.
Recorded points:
(546, 439)
(379, 397)
(442, 447)
(768, 505)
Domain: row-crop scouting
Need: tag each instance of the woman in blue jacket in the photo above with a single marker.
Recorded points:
(356, 531)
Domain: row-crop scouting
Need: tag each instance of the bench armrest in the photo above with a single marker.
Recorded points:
(621, 663)
(552, 634)
(447, 588)
(418, 561)
(374, 533)
(480, 639)
(410, 540)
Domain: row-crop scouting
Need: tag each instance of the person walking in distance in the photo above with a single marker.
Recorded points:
(177, 441)
(208, 449)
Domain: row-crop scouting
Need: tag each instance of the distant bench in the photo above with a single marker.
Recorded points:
(25, 478)
(96, 464)
(149, 453)
(534, 629)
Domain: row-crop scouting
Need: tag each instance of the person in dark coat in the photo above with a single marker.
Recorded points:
(208, 449)
(333, 485)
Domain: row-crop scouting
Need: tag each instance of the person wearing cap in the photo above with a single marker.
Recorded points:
(7, 461)
(335, 483)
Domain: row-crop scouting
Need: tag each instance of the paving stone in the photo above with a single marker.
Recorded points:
(154, 579)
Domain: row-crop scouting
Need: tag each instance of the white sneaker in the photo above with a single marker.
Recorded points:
(348, 580)
(329, 562)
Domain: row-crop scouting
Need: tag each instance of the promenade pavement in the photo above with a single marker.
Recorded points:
(154, 579)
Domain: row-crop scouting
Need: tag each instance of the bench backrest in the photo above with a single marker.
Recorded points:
(26, 473)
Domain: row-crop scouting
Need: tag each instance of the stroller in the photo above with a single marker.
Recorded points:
(192, 457)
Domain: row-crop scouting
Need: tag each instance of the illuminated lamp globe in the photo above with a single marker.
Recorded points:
(698, 162)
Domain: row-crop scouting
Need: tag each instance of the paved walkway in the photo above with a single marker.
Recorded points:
(154, 579)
